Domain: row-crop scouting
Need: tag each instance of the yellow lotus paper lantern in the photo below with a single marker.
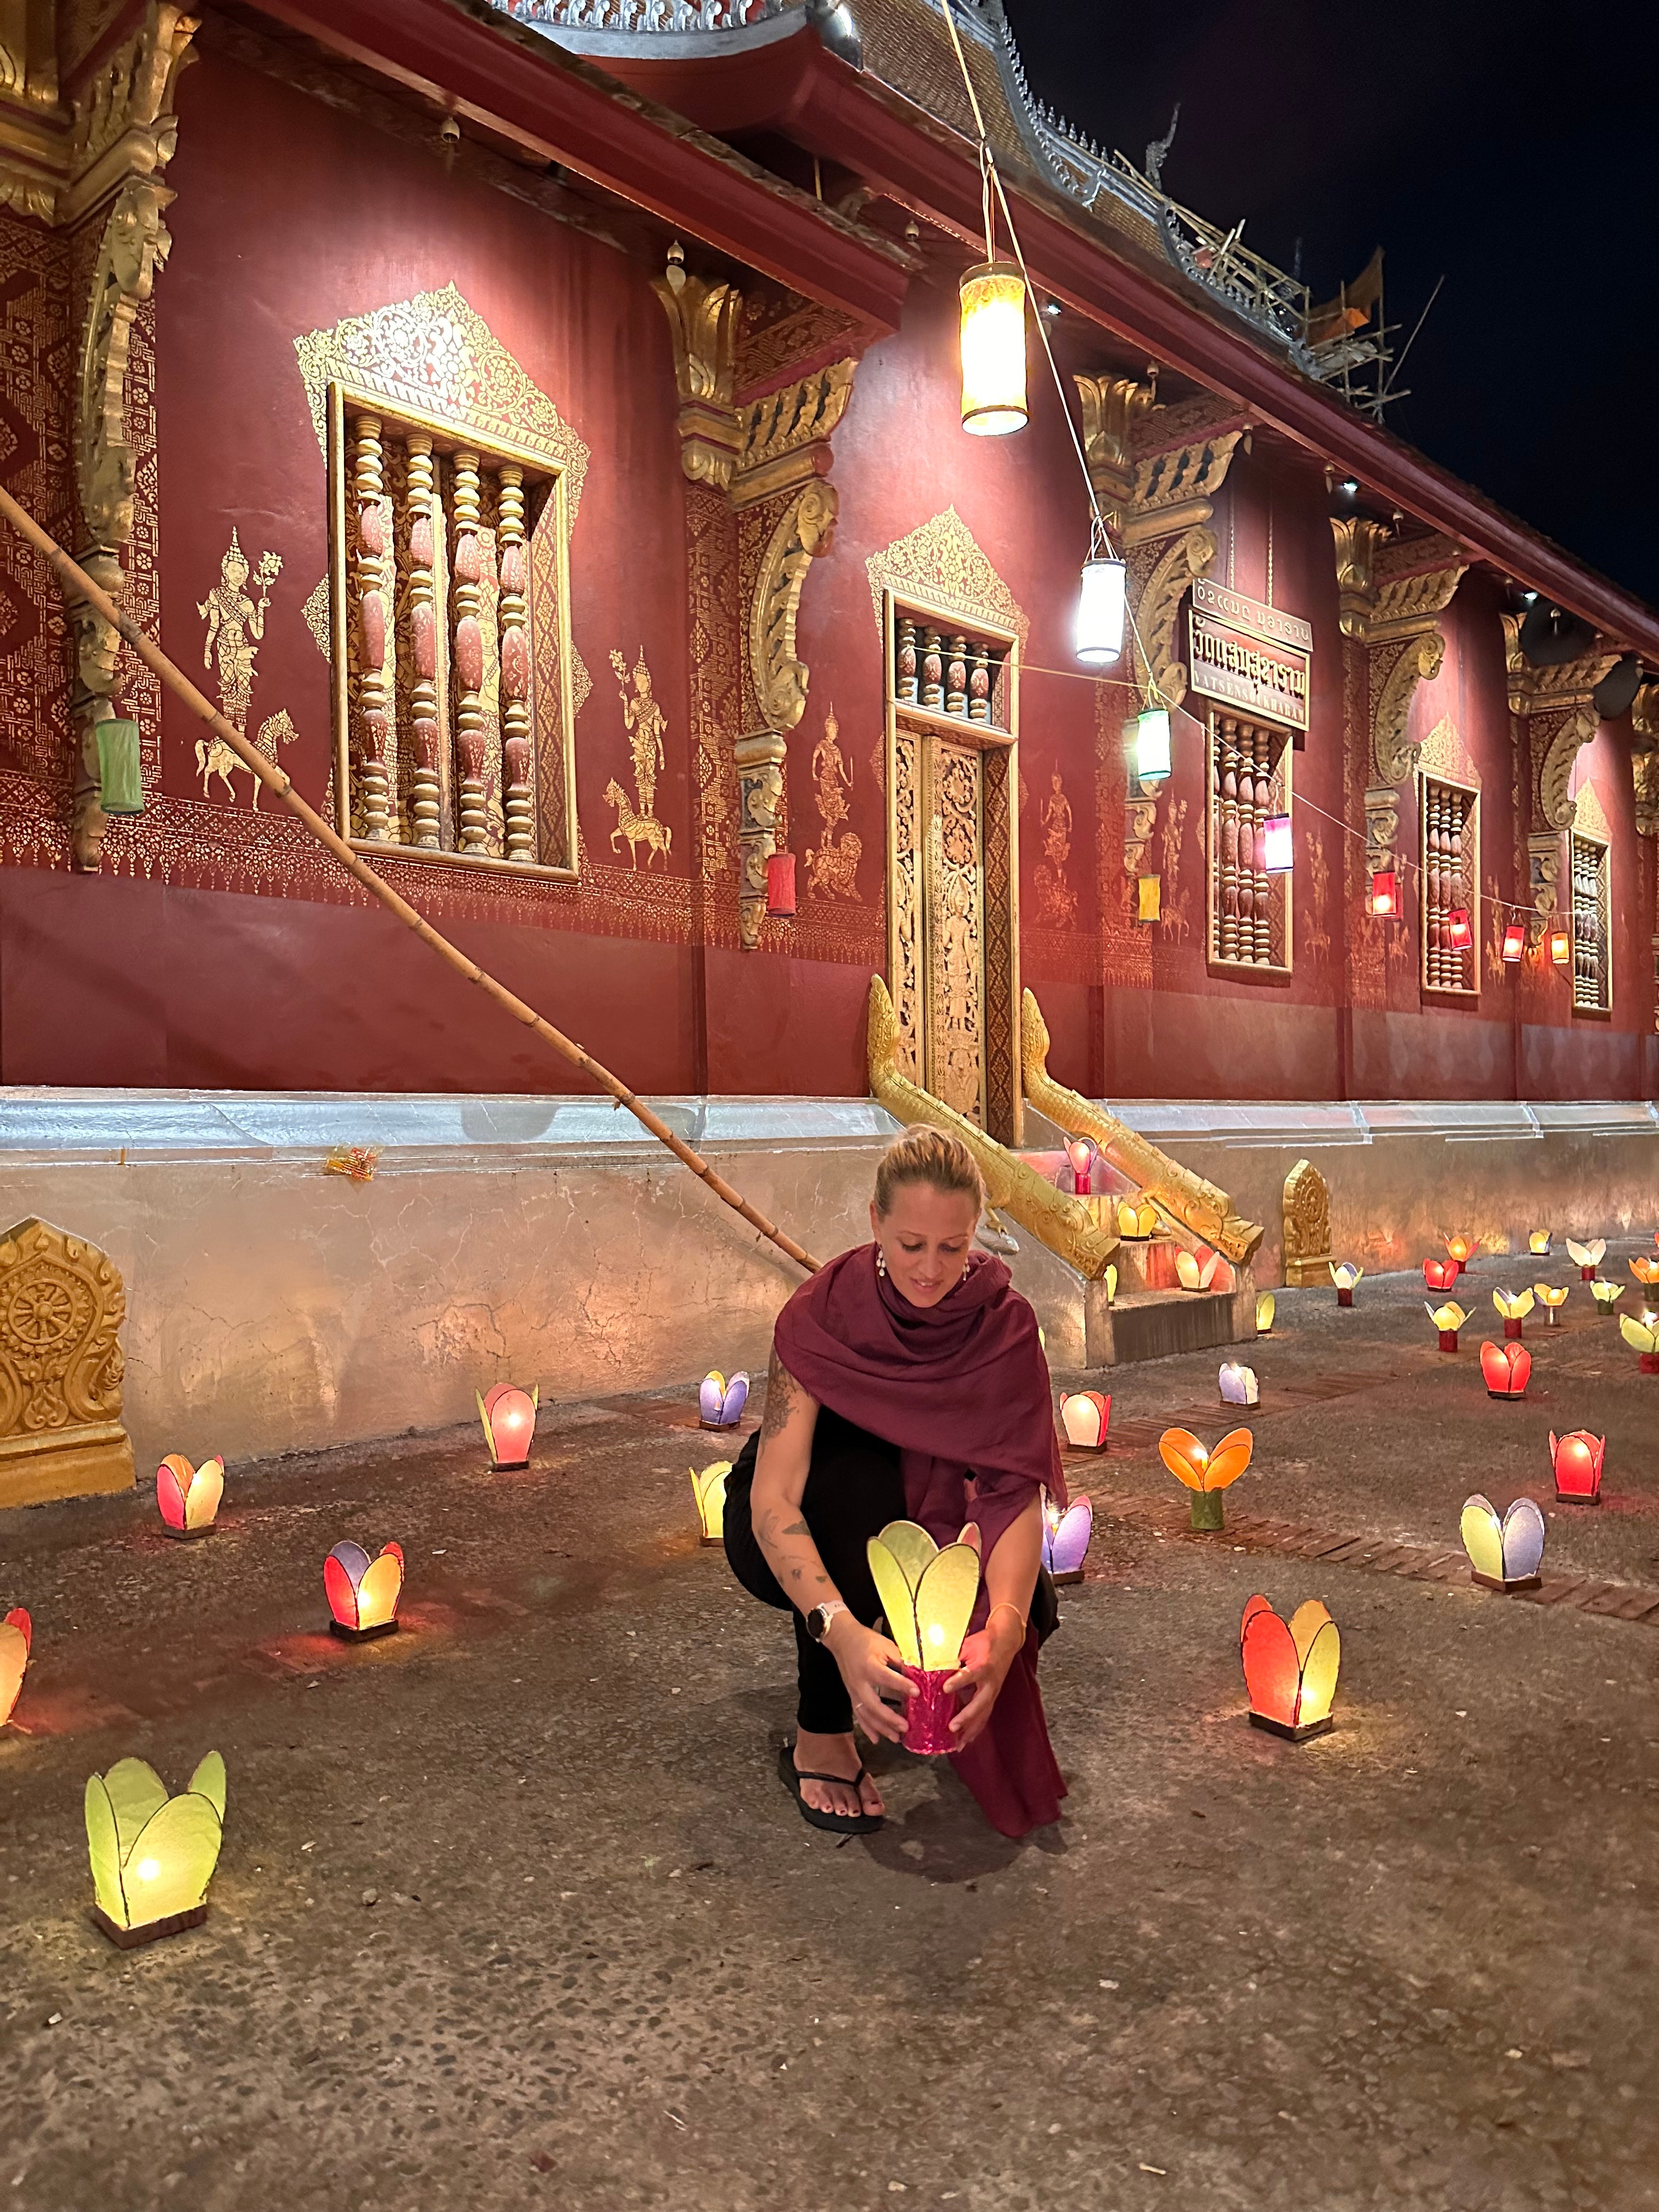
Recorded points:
(1587, 1258)
(1513, 1306)
(17, 1631)
(1110, 1279)
(1194, 1275)
(152, 1856)
(1345, 1275)
(926, 1599)
(1289, 1668)
(1645, 1270)
(1207, 1473)
(708, 1488)
(1136, 1217)
(1539, 1243)
(1447, 1319)
(1551, 1300)
(1607, 1295)
(1503, 1555)
(187, 1497)
(1643, 1338)
(1267, 1305)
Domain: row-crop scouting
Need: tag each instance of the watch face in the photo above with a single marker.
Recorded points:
(818, 1622)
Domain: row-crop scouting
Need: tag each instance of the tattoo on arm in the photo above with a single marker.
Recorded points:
(781, 1393)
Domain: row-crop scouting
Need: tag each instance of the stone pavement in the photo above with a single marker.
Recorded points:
(513, 1911)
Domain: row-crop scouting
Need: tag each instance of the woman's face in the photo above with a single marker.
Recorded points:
(925, 1240)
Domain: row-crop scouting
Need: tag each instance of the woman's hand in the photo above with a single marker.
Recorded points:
(870, 1668)
(986, 1656)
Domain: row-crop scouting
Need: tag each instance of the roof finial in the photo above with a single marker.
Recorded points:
(1157, 152)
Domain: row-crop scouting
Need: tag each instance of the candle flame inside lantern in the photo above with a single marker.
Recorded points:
(508, 1415)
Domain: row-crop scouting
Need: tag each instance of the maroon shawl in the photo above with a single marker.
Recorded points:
(963, 1389)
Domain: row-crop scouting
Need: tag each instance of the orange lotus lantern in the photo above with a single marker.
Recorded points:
(1513, 1306)
(188, 1497)
(1196, 1275)
(708, 1488)
(1551, 1300)
(1207, 1473)
(1577, 1458)
(1447, 1319)
(1505, 1368)
(1503, 1555)
(363, 1593)
(1267, 1305)
(1460, 1248)
(1085, 1417)
(1645, 1270)
(1345, 1275)
(1643, 1338)
(1538, 1244)
(1290, 1669)
(1587, 1257)
(1136, 1218)
(17, 1631)
(508, 1415)
(152, 1856)
(1440, 1274)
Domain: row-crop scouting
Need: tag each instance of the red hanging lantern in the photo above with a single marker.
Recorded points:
(1460, 931)
(1515, 940)
(781, 887)
(1385, 891)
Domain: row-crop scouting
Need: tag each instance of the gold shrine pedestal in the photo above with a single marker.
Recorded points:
(61, 1308)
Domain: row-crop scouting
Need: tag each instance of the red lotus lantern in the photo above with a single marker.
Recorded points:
(1082, 1152)
(1385, 891)
(1515, 940)
(1086, 1417)
(1505, 1368)
(363, 1593)
(508, 1415)
(1289, 1668)
(1577, 1458)
(1440, 1274)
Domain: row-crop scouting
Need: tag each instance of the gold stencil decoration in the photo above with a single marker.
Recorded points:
(235, 630)
(1589, 819)
(1056, 900)
(61, 1308)
(318, 615)
(942, 564)
(1176, 903)
(435, 355)
(645, 722)
(833, 867)
(1443, 753)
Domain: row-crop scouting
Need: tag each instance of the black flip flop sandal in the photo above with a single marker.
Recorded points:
(838, 1824)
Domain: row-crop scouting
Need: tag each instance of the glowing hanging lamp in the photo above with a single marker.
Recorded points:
(1101, 607)
(1515, 941)
(1385, 891)
(1278, 845)
(992, 348)
(1148, 736)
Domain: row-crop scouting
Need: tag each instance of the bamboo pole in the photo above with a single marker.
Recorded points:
(76, 584)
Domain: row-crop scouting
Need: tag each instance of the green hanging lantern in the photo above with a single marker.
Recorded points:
(120, 777)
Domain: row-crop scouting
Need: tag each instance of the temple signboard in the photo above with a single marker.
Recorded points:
(1256, 657)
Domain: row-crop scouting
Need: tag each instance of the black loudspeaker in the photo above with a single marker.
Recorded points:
(1617, 690)
(1550, 635)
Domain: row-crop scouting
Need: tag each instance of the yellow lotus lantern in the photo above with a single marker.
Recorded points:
(1289, 1668)
(1136, 1217)
(16, 1631)
(187, 1497)
(1267, 1305)
(1110, 1280)
(1539, 1243)
(1513, 1306)
(1646, 1271)
(1643, 1338)
(152, 1856)
(1345, 1275)
(1551, 1301)
(1207, 1473)
(1447, 1319)
(1587, 1258)
(708, 1488)
(926, 1599)
(1194, 1275)
(1607, 1295)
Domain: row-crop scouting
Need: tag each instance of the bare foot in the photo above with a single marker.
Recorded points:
(835, 1754)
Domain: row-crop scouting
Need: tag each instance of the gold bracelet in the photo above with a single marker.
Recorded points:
(1006, 1605)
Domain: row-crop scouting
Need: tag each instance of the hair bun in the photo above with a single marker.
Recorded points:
(926, 1155)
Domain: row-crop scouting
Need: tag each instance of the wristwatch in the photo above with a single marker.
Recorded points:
(818, 1620)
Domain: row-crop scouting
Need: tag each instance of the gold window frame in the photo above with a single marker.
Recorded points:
(543, 469)
(1425, 777)
(1577, 841)
(1283, 794)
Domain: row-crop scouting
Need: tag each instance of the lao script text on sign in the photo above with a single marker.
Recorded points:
(1253, 656)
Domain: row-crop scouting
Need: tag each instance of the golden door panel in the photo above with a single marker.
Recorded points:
(905, 932)
(954, 929)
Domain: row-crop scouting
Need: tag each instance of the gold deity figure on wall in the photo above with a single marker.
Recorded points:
(645, 723)
(833, 867)
(1056, 900)
(235, 630)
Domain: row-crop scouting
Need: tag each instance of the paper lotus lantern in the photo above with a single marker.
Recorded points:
(188, 1497)
(1440, 1274)
(1587, 1258)
(17, 1631)
(363, 1593)
(152, 1856)
(708, 1488)
(1645, 1270)
(1345, 1275)
(1238, 1384)
(1267, 1305)
(1066, 1538)
(1111, 1283)
(1194, 1277)
(1539, 1243)
(1461, 1249)
(1503, 1555)
(1086, 1415)
(1136, 1217)
(1607, 1295)
(1643, 1337)
(1505, 1368)
(1289, 1668)
(1207, 1473)
(508, 1415)
(1577, 1458)
(1082, 1152)
(1513, 1306)
(928, 1599)
(1447, 1319)
(1551, 1300)
(720, 1403)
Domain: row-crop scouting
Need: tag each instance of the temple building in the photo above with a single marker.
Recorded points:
(539, 429)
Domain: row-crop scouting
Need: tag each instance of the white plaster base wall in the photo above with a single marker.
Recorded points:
(274, 1308)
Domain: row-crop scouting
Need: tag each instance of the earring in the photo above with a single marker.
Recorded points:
(881, 1260)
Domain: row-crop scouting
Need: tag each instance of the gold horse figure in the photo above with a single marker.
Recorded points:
(638, 829)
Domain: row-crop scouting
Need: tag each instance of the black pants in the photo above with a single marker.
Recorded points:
(853, 1489)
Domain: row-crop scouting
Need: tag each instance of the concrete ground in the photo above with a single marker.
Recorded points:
(512, 1909)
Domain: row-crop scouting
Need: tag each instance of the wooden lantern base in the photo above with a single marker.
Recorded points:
(363, 1635)
(1577, 1497)
(188, 1536)
(509, 1466)
(712, 1543)
(1304, 1734)
(1504, 1589)
(1064, 1582)
(130, 1939)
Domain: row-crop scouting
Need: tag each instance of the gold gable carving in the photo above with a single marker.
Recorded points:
(1157, 613)
(1443, 753)
(61, 1308)
(941, 562)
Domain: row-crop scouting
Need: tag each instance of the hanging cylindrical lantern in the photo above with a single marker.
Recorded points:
(1515, 940)
(1100, 611)
(1278, 845)
(1148, 736)
(1385, 891)
(781, 887)
(1561, 948)
(1460, 931)
(992, 348)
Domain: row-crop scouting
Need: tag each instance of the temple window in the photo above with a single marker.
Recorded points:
(452, 666)
(1248, 783)
(1592, 966)
(1449, 815)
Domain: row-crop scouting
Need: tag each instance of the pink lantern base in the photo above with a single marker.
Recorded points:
(932, 1711)
(1512, 1327)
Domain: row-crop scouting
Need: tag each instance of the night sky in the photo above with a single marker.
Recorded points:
(1511, 149)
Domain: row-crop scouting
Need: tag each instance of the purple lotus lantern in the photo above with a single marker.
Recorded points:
(720, 1403)
(1066, 1538)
